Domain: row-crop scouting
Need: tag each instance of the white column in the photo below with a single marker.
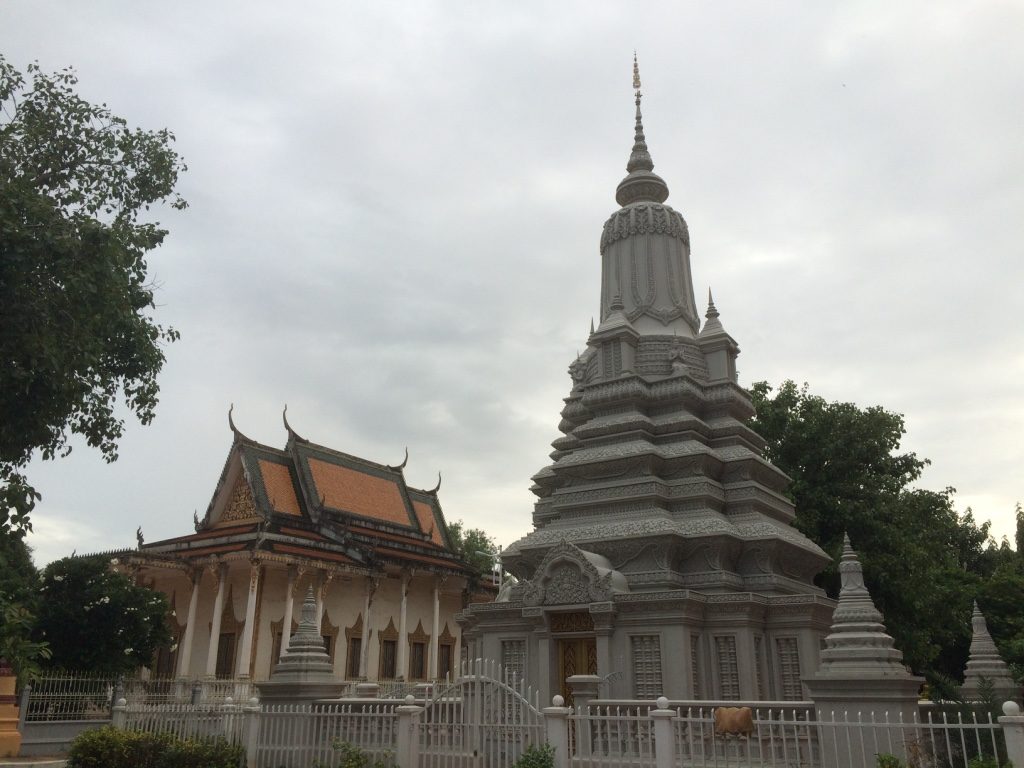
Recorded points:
(249, 631)
(185, 643)
(289, 606)
(218, 612)
(403, 630)
(432, 667)
(364, 655)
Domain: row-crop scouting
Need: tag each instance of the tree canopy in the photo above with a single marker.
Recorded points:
(475, 547)
(96, 619)
(923, 562)
(78, 337)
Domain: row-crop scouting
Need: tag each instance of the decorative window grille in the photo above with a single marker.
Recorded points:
(728, 671)
(759, 666)
(789, 668)
(513, 659)
(647, 682)
(695, 664)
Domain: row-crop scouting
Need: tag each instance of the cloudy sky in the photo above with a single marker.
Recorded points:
(395, 213)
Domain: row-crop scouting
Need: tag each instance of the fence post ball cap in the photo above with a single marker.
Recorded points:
(1011, 708)
(254, 701)
(409, 699)
(662, 702)
(557, 701)
(122, 702)
(229, 700)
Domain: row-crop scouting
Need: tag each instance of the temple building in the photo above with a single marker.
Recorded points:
(663, 559)
(376, 552)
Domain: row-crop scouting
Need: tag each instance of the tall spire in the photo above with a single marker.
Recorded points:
(640, 158)
(642, 184)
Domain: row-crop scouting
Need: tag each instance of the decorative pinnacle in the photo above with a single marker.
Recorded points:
(642, 184)
(640, 158)
(712, 309)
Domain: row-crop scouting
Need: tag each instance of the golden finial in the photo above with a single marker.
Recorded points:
(636, 73)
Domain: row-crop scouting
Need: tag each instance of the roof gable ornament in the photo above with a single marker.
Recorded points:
(433, 491)
(569, 575)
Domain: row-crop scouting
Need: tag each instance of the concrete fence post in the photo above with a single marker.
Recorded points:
(664, 744)
(585, 688)
(556, 725)
(119, 713)
(409, 733)
(251, 730)
(26, 693)
(1013, 730)
(229, 710)
(197, 692)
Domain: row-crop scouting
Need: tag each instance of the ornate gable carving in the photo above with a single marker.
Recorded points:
(566, 577)
(241, 505)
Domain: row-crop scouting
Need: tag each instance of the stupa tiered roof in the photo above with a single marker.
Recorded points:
(655, 452)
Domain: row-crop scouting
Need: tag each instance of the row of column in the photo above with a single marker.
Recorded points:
(185, 656)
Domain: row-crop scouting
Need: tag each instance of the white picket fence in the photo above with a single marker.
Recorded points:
(482, 716)
(484, 720)
(603, 735)
(302, 735)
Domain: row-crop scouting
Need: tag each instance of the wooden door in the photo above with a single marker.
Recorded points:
(576, 656)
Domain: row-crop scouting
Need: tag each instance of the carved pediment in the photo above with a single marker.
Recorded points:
(568, 576)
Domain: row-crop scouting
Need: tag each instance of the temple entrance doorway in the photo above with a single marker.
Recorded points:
(576, 656)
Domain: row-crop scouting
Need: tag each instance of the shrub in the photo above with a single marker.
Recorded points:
(348, 755)
(112, 748)
(886, 760)
(537, 756)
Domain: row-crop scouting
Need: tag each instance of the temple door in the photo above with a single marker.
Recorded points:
(576, 656)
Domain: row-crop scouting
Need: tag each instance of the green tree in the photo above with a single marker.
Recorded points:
(97, 619)
(19, 597)
(475, 547)
(921, 560)
(78, 338)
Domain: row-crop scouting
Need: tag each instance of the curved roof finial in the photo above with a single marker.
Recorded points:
(401, 466)
(291, 432)
(231, 423)
(437, 487)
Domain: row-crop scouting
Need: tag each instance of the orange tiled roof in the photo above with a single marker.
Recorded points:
(280, 491)
(425, 514)
(359, 493)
